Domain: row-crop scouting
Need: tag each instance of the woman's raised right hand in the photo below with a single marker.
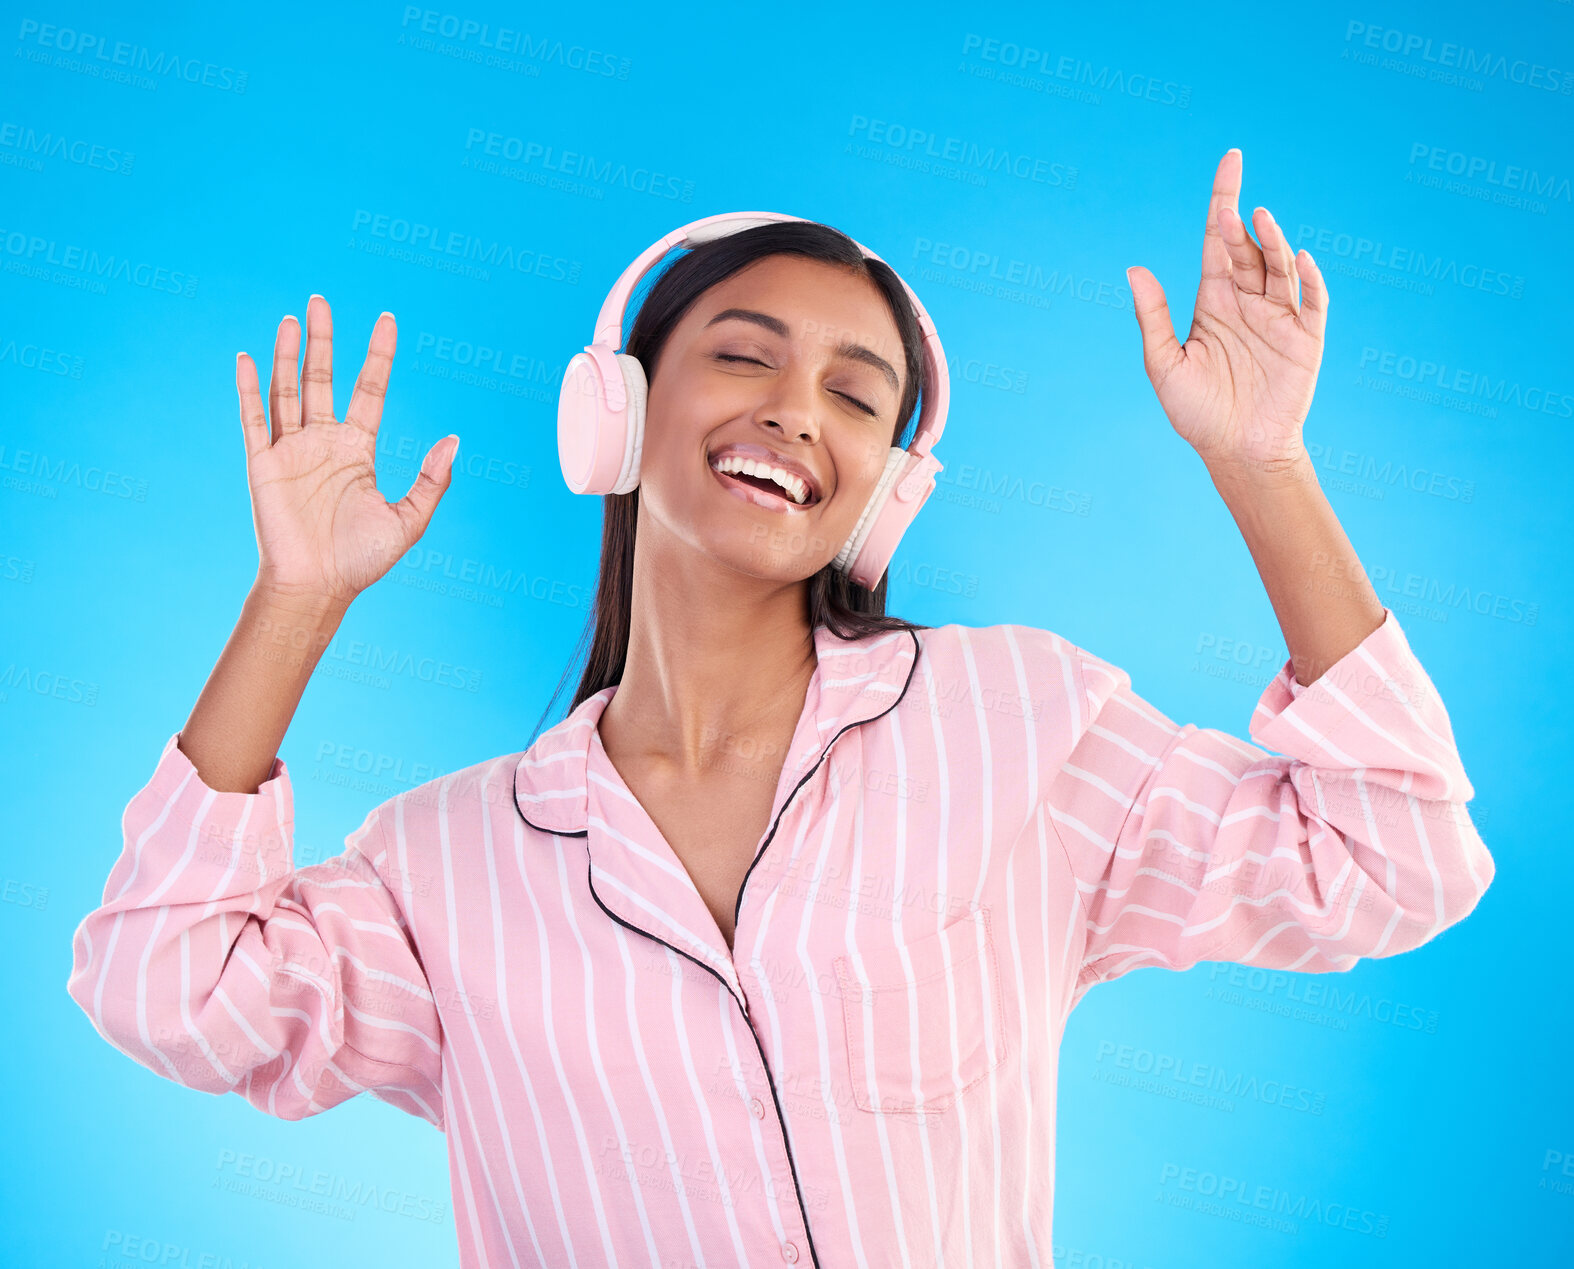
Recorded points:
(323, 530)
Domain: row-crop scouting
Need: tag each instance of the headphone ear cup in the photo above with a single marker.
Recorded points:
(598, 447)
(586, 425)
(856, 558)
(637, 388)
(904, 487)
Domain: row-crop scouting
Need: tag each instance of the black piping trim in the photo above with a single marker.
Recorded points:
(555, 832)
(917, 648)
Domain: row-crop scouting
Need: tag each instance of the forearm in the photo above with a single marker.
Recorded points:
(1315, 581)
(238, 723)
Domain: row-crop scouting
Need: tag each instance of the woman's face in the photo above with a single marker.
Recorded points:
(790, 355)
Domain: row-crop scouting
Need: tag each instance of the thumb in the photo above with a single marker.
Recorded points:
(437, 470)
(1159, 345)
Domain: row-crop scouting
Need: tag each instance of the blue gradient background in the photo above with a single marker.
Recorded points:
(118, 599)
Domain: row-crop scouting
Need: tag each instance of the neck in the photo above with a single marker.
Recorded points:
(718, 662)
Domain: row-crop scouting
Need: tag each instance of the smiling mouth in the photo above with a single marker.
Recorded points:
(762, 492)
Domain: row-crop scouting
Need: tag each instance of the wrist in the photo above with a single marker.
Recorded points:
(290, 629)
(301, 607)
(1239, 477)
(304, 600)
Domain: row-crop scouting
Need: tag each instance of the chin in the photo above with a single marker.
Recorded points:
(770, 554)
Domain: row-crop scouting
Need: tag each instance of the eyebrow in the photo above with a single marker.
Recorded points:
(857, 352)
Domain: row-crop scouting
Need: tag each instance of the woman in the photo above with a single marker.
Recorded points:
(765, 951)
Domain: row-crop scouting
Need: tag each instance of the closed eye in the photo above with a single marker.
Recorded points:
(870, 410)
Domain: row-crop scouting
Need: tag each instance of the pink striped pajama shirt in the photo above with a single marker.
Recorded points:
(972, 826)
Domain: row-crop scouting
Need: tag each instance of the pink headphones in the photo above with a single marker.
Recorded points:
(601, 411)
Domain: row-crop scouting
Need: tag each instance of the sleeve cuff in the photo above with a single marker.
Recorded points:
(1373, 708)
(1353, 673)
(269, 811)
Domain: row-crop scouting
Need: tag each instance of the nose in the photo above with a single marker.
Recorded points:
(790, 406)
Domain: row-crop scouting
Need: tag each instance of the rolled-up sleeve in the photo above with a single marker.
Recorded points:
(1341, 834)
(217, 964)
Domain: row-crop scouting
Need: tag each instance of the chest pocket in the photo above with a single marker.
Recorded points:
(923, 1019)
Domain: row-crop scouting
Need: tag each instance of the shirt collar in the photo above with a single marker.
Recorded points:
(854, 681)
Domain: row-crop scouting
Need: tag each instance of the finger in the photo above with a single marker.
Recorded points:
(366, 402)
(1314, 296)
(1226, 192)
(1278, 259)
(253, 425)
(1160, 348)
(284, 389)
(317, 378)
(1245, 258)
(437, 469)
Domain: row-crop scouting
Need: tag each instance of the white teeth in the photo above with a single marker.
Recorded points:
(795, 486)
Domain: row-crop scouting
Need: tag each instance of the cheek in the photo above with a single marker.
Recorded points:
(674, 426)
(865, 464)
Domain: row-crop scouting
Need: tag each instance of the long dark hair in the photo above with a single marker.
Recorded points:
(849, 610)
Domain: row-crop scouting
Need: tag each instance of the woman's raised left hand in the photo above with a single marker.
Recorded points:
(1238, 390)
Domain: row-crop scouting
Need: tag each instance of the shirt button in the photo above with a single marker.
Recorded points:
(790, 1253)
(757, 1107)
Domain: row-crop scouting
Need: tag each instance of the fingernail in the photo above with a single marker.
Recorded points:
(388, 315)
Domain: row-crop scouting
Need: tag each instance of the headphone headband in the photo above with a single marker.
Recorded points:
(936, 394)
